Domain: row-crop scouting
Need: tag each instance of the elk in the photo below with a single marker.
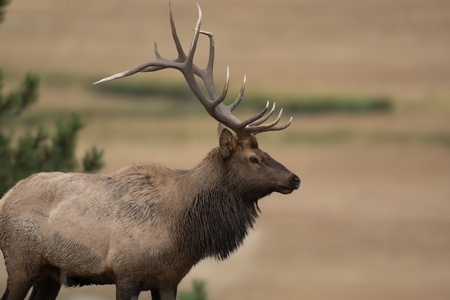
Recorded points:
(143, 227)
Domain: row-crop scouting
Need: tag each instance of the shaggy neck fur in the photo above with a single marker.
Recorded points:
(217, 218)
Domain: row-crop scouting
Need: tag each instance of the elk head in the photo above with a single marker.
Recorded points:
(253, 171)
(242, 145)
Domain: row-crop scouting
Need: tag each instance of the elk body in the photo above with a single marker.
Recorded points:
(145, 226)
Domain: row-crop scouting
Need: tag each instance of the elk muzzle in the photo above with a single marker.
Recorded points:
(293, 183)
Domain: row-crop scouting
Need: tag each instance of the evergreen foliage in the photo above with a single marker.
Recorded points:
(38, 151)
(198, 292)
(3, 3)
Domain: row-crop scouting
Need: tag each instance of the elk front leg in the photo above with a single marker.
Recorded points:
(17, 285)
(169, 293)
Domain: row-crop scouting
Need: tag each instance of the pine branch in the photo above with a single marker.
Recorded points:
(93, 160)
(17, 101)
(3, 3)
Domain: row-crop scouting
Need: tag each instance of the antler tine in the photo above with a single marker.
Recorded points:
(264, 118)
(125, 73)
(153, 68)
(239, 97)
(225, 90)
(210, 65)
(190, 57)
(158, 64)
(250, 120)
(181, 54)
(155, 49)
(207, 74)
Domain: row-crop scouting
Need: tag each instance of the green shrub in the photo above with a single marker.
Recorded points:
(313, 104)
(3, 3)
(141, 89)
(197, 293)
(295, 103)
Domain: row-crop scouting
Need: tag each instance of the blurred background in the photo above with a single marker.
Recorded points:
(368, 84)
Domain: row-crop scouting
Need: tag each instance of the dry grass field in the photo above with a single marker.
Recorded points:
(372, 217)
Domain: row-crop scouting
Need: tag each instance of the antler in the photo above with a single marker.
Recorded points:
(214, 104)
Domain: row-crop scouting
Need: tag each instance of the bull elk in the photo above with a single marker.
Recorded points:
(143, 227)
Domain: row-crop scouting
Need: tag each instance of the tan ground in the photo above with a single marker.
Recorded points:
(372, 217)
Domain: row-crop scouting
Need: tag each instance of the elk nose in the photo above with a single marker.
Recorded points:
(295, 181)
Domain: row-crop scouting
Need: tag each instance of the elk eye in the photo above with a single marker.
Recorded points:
(254, 160)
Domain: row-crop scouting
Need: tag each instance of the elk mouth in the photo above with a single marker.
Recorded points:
(294, 184)
(283, 190)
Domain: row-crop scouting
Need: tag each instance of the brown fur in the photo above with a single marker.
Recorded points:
(141, 228)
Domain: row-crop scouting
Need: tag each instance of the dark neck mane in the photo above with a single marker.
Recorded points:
(217, 220)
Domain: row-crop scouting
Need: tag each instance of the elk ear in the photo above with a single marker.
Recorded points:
(227, 142)
(220, 128)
